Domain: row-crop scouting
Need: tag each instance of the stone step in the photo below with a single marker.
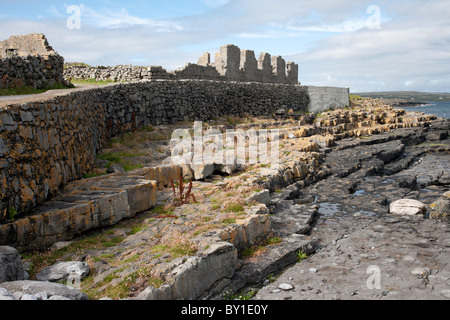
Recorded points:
(83, 206)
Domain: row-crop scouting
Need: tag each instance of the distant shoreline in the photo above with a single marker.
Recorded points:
(408, 98)
(405, 103)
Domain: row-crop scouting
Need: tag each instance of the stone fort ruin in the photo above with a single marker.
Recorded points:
(235, 64)
(231, 64)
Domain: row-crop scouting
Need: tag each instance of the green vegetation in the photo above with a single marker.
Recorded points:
(136, 138)
(92, 81)
(229, 221)
(274, 240)
(71, 64)
(30, 90)
(92, 175)
(301, 256)
(234, 207)
(354, 97)
(428, 144)
(240, 296)
(121, 158)
(12, 212)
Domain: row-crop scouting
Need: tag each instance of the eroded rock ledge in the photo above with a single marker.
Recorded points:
(200, 250)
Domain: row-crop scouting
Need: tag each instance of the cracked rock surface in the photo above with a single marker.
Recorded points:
(365, 252)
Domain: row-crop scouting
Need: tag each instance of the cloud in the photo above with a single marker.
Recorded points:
(120, 18)
(329, 39)
(410, 52)
(215, 3)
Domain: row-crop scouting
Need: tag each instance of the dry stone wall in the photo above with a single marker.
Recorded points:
(46, 144)
(28, 60)
(32, 71)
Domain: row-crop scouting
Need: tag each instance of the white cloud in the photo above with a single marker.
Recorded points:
(331, 40)
(121, 18)
(215, 3)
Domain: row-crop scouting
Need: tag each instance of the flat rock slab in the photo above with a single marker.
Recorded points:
(394, 257)
(36, 287)
(62, 270)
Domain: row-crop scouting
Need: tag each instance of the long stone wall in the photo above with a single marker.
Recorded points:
(46, 144)
(231, 64)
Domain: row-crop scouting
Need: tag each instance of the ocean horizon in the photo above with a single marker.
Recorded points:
(439, 108)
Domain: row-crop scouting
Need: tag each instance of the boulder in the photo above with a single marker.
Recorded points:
(260, 197)
(11, 268)
(5, 295)
(115, 168)
(61, 271)
(38, 287)
(203, 171)
(407, 207)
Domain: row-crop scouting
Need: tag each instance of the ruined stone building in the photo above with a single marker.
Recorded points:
(29, 60)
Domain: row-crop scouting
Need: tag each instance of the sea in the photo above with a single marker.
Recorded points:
(439, 108)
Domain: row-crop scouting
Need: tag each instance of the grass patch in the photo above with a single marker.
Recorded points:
(274, 240)
(111, 243)
(428, 144)
(180, 250)
(159, 248)
(234, 207)
(92, 81)
(136, 229)
(30, 90)
(253, 250)
(92, 175)
(122, 158)
(229, 221)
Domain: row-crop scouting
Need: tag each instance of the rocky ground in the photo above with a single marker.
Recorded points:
(359, 239)
(327, 205)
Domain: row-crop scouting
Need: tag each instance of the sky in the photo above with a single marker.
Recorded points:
(377, 45)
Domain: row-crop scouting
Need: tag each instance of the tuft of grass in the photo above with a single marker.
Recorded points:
(111, 243)
(180, 250)
(229, 221)
(234, 207)
(301, 256)
(12, 213)
(274, 240)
